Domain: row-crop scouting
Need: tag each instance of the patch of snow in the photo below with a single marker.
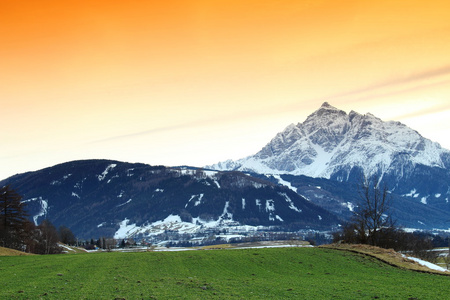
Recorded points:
(57, 182)
(258, 203)
(185, 171)
(65, 247)
(243, 203)
(225, 219)
(75, 195)
(199, 201)
(437, 195)
(210, 173)
(427, 264)
(124, 230)
(225, 213)
(320, 218)
(79, 185)
(279, 218)
(103, 175)
(349, 205)
(115, 176)
(228, 237)
(42, 212)
(291, 203)
(284, 182)
(217, 183)
(159, 190)
(101, 224)
(257, 185)
(424, 200)
(124, 203)
(422, 223)
(270, 205)
(192, 198)
(121, 194)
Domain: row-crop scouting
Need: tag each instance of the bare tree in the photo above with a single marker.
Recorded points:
(372, 215)
(66, 236)
(371, 222)
(48, 238)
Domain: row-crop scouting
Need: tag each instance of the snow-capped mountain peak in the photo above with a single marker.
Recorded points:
(330, 143)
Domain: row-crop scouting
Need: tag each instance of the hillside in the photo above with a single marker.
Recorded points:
(96, 198)
(11, 252)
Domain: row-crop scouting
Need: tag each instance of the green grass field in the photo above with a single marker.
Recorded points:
(275, 273)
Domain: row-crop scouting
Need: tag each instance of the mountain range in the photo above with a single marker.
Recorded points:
(306, 178)
(334, 145)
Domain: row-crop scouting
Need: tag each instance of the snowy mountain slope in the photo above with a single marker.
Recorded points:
(331, 142)
(341, 198)
(108, 198)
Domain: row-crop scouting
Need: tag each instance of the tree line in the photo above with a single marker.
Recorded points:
(18, 232)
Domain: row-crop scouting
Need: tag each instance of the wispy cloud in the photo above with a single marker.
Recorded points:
(427, 111)
(388, 88)
(396, 82)
(152, 131)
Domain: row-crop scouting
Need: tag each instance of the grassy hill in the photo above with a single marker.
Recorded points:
(11, 252)
(273, 273)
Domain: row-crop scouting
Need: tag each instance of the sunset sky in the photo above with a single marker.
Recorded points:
(197, 82)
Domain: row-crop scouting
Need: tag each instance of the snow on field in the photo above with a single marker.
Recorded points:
(426, 264)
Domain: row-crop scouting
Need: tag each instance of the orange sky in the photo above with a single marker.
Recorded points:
(196, 82)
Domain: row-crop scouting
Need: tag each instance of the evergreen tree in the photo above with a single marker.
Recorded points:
(12, 219)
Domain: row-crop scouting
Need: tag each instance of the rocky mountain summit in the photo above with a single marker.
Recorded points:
(330, 143)
(339, 146)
